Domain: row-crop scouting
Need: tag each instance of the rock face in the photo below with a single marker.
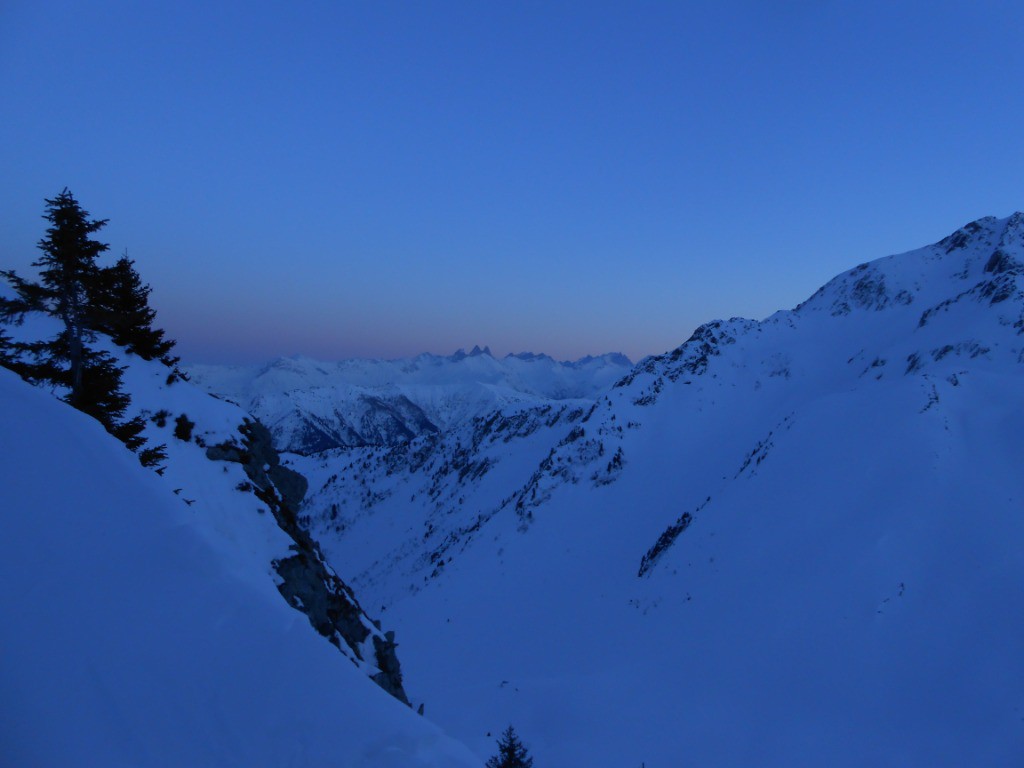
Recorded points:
(307, 582)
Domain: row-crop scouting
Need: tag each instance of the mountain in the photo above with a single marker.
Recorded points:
(142, 630)
(311, 406)
(787, 542)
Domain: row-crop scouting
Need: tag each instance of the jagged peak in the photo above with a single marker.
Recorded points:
(692, 356)
(461, 353)
(930, 275)
(964, 236)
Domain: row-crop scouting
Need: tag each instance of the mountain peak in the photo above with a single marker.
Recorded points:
(461, 354)
(981, 259)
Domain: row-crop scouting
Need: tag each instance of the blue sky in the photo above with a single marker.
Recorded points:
(380, 179)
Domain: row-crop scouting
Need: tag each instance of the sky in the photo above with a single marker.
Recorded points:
(380, 179)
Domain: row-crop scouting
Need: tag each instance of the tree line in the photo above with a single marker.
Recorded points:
(87, 298)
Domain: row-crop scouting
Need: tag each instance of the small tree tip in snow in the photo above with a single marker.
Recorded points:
(512, 753)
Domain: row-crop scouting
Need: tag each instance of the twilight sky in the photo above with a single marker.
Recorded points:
(379, 179)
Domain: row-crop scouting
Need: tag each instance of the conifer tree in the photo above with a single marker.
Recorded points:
(511, 752)
(70, 289)
(68, 274)
(103, 399)
(122, 310)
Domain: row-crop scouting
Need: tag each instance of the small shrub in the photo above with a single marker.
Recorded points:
(150, 457)
(183, 428)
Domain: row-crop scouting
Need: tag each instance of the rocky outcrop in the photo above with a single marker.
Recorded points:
(306, 581)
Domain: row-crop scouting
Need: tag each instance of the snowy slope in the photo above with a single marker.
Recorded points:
(132, 635)
(227, 474)
(311, 406)
(788, 542)
(404, 509)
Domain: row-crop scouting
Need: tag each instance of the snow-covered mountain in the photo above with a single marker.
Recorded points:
(180, 616)
(788, 542)
(310, 406)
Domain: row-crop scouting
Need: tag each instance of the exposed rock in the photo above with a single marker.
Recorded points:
(390, 676)
(307, 582)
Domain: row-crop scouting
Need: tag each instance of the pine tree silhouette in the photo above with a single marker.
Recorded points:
(511, 752)
(122, 310)
(68, 281)
(70, 288)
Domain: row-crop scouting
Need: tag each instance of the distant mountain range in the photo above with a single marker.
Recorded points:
(311, 405)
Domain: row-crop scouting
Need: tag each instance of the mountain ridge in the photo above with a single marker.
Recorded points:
(311, 406)
(802, 521)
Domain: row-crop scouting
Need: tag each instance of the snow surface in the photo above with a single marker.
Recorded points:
(142, 631)
(795, 542)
